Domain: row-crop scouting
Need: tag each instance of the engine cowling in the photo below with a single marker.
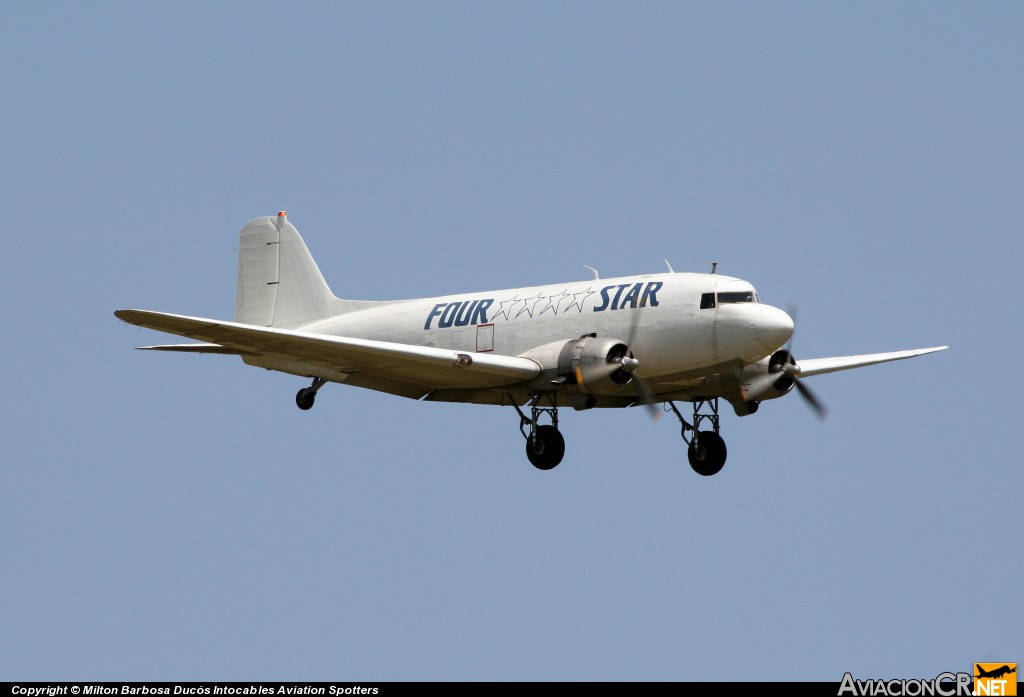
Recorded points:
(775, 364)
(733, 384)
(595, 366)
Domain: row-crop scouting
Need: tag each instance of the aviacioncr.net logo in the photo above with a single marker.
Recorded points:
(995, 679)
(943, 685)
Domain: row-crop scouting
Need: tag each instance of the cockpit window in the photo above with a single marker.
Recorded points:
(708, 301)
(746, 296)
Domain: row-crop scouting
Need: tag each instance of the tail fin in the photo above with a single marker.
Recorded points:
(279, 284)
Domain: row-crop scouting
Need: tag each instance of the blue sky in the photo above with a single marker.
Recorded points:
(176, 517)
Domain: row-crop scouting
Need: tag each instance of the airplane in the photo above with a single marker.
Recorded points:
(647, 340)
(996, 673)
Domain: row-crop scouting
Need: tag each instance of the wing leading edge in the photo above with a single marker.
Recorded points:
(423, 366)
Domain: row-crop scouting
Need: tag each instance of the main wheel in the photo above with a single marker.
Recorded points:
(545, 448)
(707, 453)
(304, 398)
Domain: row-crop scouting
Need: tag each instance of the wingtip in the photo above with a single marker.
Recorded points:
(127, 316)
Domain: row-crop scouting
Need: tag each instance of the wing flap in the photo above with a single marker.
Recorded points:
(820, 366)
(426, 366)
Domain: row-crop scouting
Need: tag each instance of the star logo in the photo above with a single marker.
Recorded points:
(553, 303)
(505, 308)
(529, 304)
(579, 298)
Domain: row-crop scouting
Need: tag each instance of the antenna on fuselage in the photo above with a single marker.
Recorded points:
(594, 271)
(670, 269)
(714, 265)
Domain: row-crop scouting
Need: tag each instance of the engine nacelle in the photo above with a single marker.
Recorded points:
(773, 364)
(733, 385)
(593, 365)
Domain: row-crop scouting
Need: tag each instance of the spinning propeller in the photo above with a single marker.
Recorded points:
(788, 369)
(629, 364)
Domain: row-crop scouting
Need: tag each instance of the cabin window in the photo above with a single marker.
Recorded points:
(707, 301)
(746, 296)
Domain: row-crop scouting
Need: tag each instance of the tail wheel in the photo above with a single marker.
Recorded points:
(707, 453)
(305, 397)
(545, 447)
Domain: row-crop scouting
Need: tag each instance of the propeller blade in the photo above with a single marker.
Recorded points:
(761, 384)
(812, 400)
(647, 397)
(642, 390)
(644, 394)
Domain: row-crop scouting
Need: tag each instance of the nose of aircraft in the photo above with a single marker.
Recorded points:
(773, 326)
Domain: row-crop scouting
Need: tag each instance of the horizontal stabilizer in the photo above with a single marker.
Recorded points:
(820, 366)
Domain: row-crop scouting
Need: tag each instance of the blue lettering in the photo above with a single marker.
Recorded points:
(459, 314)
(637, 296)
(604, 297)
(651, 294)
(448, 317)
(433, 313)
(464, 313)
(618, 293)
(632, 297)
(480, 314)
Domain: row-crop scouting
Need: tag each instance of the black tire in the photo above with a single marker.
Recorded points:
(707, 453)
(546, 448)
(304, 398)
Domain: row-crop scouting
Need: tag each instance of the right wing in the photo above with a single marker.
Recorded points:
(401, 368)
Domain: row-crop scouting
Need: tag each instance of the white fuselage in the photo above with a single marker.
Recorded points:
(659, 315)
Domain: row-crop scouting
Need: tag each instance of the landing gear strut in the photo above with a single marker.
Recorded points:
(706, 451)
(305, 397)
(545, 446)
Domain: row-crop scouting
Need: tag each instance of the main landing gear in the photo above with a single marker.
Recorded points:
(706, 450)
(305, 397)
(545, 446)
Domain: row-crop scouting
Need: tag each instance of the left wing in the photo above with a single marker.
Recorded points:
(819, 366)
(424, 368)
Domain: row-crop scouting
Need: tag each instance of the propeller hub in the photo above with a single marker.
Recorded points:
(629, 363)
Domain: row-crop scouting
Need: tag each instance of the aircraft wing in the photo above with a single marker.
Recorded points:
(819, 366)
(412, 368)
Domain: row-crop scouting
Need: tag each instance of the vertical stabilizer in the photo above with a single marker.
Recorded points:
(279, 284)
